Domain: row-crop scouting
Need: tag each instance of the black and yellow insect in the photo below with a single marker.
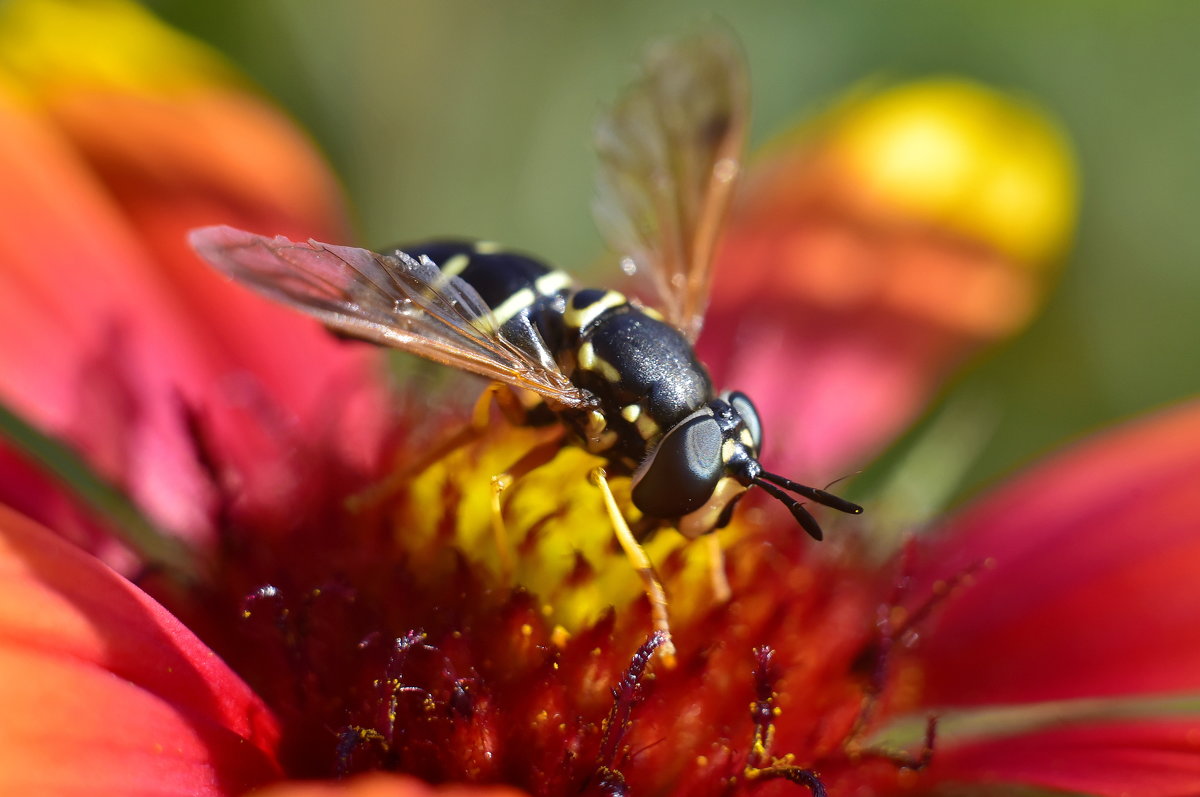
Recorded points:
(621, 378)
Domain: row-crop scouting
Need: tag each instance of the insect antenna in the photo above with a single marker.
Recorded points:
(813, 494)
(806, 521)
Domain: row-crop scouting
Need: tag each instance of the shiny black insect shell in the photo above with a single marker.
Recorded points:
(657, 419)
(641, 369)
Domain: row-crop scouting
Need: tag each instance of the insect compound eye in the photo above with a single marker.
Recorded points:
(744, 407)
(683, 471)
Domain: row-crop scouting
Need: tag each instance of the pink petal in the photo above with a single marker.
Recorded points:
(105, 692)
(841, 328)
(1090, 587)
(87, 323)
(849, 385)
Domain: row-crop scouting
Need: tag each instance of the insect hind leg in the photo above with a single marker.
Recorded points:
(510, 407)
(533, 459)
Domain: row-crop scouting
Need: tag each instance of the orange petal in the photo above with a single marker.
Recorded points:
(384, 786)
(105, 692)
(174, 140)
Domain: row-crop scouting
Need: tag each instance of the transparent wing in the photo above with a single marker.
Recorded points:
(669, 157)
(398, 301)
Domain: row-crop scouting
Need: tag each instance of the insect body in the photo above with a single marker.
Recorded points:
(622, 378)
(654, 414)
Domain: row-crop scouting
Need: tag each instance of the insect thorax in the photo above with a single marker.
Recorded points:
(641, 369)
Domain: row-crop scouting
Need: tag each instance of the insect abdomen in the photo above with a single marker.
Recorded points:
(525, 295)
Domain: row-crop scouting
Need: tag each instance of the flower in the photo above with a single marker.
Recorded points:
(344, 619)
(880, 247)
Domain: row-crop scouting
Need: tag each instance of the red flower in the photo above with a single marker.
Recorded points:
(1048, 628)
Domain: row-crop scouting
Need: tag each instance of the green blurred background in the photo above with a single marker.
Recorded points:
(474, 118)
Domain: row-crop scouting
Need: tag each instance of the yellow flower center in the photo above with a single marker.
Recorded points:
(559, 543)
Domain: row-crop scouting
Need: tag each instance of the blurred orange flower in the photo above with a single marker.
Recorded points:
(879, 247)
(119, 135)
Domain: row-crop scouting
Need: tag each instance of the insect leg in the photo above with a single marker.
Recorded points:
(500, 483)
(533, 459)
(506, 399)
(509, 406)
(641, 563)
(716, 569)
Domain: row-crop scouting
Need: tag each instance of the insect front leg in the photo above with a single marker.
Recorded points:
(716, 569)
(641, 563)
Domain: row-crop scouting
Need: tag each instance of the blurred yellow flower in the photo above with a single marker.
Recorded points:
(111, 44)
(960, 154)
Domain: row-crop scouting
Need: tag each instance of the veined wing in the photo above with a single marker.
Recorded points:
(670, 154)
(396, 301)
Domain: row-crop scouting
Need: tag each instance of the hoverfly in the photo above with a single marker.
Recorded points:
(622, 379)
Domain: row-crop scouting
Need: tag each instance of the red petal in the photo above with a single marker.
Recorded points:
(32, 492)
(1159, 759)
(105, 692)
(1091, 588)
(206, 157)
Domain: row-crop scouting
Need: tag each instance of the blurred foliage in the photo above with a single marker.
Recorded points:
(474, 118)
